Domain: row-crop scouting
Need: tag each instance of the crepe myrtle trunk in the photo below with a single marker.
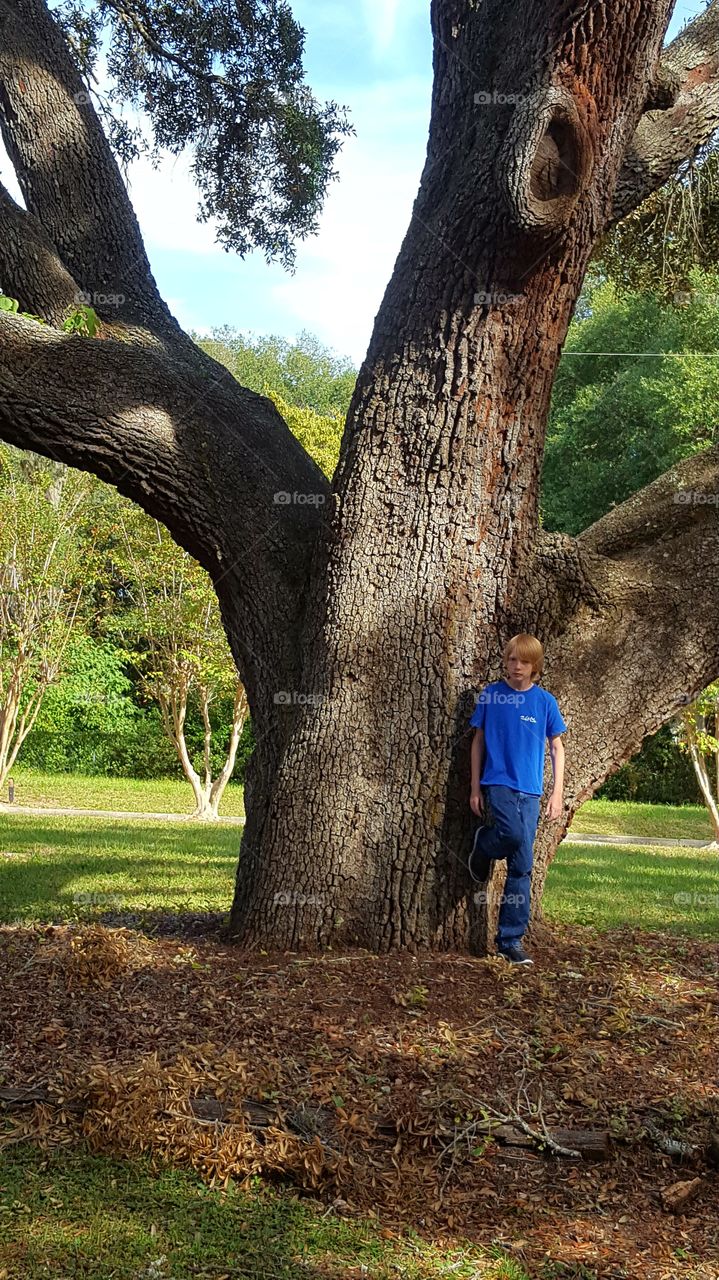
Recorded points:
(422, 569)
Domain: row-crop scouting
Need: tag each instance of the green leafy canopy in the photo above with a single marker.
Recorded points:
(224, 80)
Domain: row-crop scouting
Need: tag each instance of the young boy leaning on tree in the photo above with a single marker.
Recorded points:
(512, 720)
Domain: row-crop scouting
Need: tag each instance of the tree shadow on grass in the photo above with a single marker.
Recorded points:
(156, 880)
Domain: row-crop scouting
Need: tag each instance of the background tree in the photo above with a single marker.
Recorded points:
(89, 721)
(623, 411)
(42, 566)
(184, 653)
(694, 737)
(381, 602)
(304, 373)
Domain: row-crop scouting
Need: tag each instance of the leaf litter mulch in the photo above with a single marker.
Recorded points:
(375, 1084)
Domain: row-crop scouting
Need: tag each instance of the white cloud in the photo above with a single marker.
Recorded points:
(343, 272)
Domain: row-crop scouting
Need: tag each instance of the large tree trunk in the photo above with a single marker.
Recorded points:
(362, 624)
(421, 573)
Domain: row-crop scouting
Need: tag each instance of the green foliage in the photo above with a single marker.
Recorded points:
(703, 709)
(303, 373)
(657, 774)
(226, 82)
(172, 623)
(320, 435)
(171, 628)
(13, 306)
(89, 721)
(310, 385)
(674, 231)
(44, 563)
(83, 321)
(619, 420)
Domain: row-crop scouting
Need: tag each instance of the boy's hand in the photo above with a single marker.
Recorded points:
(476, 803)
(555, 806)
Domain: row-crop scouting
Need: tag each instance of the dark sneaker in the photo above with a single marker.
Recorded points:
(479, 864)
(515, 954)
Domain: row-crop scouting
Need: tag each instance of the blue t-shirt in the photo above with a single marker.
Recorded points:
(516, 726)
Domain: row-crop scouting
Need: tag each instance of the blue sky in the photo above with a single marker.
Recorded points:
(375, 57)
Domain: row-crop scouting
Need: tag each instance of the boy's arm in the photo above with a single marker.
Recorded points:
(477, 757)
(556, 799)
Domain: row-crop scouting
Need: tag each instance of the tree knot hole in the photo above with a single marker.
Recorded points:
(555, 171)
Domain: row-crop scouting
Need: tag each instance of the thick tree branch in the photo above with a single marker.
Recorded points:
(215, 463)
(687, 116)
(638, 594)
(661, 539)
(67, 173)
(30, 267)
(681, 503)
(636, 637)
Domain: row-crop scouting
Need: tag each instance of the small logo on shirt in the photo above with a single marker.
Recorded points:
(528, 718)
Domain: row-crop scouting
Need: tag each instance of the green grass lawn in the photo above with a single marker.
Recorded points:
(62, 868)
(668, 889)
(58, 867)
(69, 1214)
(77, 791)
(623, 817)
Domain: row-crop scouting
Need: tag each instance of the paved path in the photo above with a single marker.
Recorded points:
(109, 813)
(576, 838)
(571, 838)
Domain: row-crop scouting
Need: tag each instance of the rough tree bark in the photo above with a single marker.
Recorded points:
(362, 620)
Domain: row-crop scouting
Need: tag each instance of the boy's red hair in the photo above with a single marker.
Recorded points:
(528, 649)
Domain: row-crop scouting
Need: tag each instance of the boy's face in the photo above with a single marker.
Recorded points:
(518, 670)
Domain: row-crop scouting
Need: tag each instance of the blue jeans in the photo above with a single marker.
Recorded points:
(515, 817)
